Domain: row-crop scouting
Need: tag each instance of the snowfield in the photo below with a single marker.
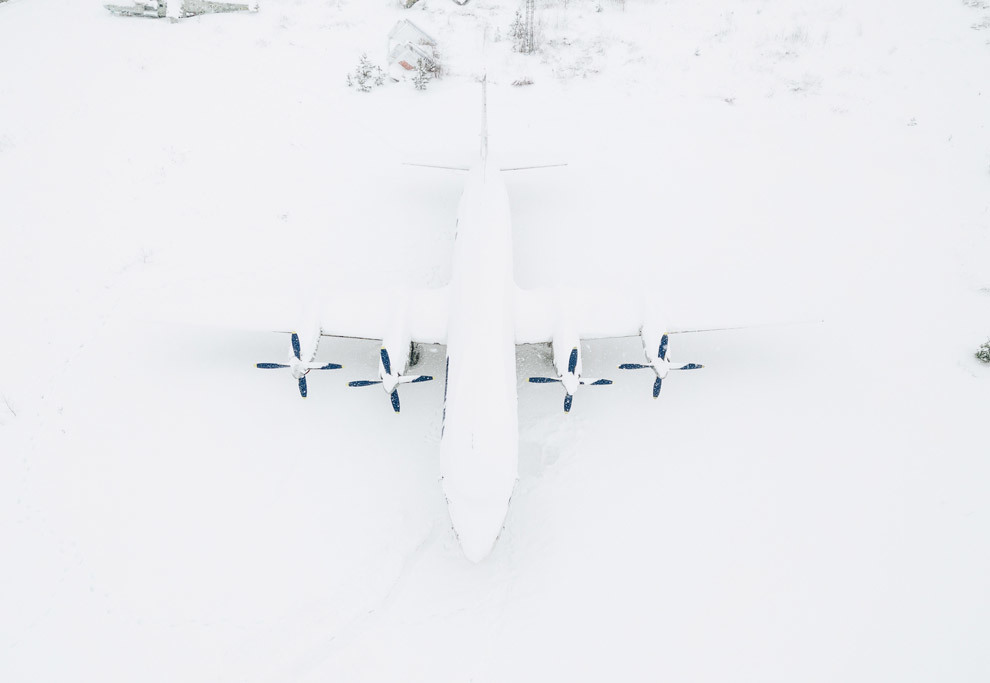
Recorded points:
(812, 506)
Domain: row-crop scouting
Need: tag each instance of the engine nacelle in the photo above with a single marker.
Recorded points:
(309, 336)
(394, 356)
(302, 354)
(655, 343)
(651, 335)
(563, 354)
(566, 347)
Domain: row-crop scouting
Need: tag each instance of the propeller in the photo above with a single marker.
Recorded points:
(389, 381)
(571, 380)
(299, 368)
(660, 365)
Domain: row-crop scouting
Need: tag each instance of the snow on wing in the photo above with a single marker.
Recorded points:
(608, 313)
(590, 313)
(360, 314)
(372, 314)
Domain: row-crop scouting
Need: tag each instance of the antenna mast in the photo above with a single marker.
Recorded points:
(529, 41)
(484, 116)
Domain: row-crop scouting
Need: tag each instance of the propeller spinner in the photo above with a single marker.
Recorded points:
(660, 365)
(571, 380)
(390, 382)
(299, 368)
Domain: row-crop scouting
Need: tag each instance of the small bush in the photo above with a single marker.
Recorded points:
(983, 353)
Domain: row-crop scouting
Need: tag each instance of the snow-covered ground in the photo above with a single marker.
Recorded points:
(812, 506)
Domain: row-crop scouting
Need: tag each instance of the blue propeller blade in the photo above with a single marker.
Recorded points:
(601, 382)
(632, 366)
(689, 366)
(295, 346)
(656, 387)
(302, 386)
(270, 366)
(422, 378)
(543, 380)
(568, 399)
(385, 362)
(663, 347)
(329, 366)
(395, 400)
(363, 383)
(572, 361)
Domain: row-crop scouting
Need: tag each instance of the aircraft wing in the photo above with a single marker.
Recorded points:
(359, 314)
(604, 313)
(375, 314)
(590, 314)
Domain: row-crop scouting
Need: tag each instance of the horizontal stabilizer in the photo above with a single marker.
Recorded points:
(455, 167)
(532, 168)
(440, 166)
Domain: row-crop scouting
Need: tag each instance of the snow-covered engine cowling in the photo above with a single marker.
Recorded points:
(567, 363)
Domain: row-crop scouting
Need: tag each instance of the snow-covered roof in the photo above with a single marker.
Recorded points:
(406, 31)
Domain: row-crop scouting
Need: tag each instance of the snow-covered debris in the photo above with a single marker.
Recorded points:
(190, 8)
(178, 9)
(140, 8)
(408, 56)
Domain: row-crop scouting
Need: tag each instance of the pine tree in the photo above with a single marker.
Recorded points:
(422, 76)
(363, 74)
(523, 29)
(516, 31)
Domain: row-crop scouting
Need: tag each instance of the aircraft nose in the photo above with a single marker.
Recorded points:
(477, 525)
(477, 548)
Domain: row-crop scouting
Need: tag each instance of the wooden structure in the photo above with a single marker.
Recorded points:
(408, 44)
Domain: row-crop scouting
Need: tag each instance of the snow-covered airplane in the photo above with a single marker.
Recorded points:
(480, 317)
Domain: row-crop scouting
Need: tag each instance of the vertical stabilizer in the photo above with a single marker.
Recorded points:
(484, 117)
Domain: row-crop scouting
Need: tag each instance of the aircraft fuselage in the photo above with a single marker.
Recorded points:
(480, 445)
